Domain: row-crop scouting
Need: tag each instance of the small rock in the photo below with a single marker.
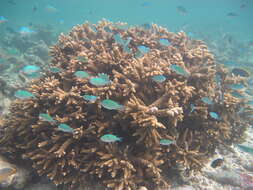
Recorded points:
(226, 177)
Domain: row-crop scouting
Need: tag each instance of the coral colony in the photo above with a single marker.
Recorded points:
(124, 107)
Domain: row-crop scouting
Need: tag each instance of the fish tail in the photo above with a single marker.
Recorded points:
(120, 139)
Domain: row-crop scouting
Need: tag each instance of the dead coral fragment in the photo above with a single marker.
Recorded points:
(122, 106)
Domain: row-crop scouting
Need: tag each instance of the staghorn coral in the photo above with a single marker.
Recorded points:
(171, 109)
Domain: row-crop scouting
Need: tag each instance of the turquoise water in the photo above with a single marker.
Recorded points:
(202, 16)
(28, 29)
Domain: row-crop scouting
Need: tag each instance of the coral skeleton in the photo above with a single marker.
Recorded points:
(151, 111)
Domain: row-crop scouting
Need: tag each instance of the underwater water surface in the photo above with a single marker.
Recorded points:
(29, 28)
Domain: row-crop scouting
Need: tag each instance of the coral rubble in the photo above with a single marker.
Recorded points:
(120, 64)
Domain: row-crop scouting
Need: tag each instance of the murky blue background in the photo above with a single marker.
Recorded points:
(203, 16)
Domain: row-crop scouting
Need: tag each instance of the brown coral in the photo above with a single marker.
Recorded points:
(171, 109)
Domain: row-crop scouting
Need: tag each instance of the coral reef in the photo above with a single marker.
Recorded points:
(175, 108)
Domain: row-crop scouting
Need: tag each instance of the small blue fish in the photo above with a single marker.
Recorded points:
(81, 74)
(240, 72)
(30, 69)
(25, 30)
(146, 26)
(111, 105)
(55, 69)
(13, 51)
(51, 9)
(98, 81)
(166, 142)
(214, 115)
(179, 70)
(159, 78)
(237, 94)
(3, 19)
(232, 14)
(182, 10)
(110, 138)
(239, 86)
(65, 128)
(246, 148)
(46, 117)
(207, 100)
(164, 42)
(243, 6)
(143, 49)
(23, 94)
(145, 4)
(90, 98)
